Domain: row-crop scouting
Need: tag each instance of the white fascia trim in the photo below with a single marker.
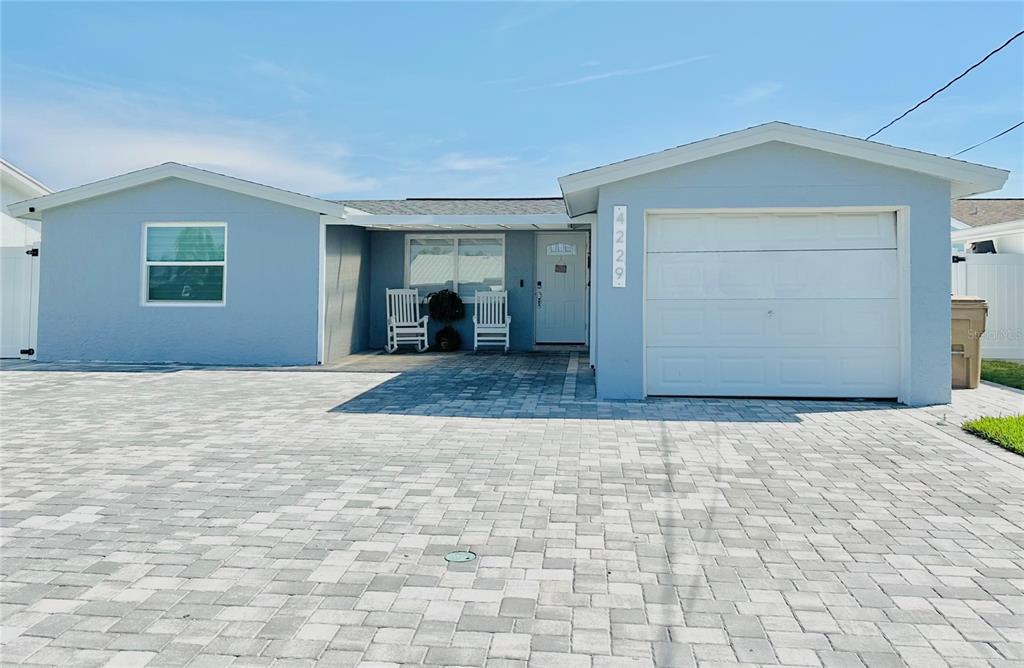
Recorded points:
(985, 232)
(499, 223)
(174, 170)
(965, 177)
(29, 184)
(955, 224)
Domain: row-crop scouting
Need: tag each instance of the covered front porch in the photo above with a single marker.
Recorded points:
(542, 262)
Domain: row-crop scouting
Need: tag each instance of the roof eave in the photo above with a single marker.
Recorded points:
(993, 231)
(27, 182)
(495, 222)
(33, 208)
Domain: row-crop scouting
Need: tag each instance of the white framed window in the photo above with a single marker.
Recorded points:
(184, 264)
(463, 263)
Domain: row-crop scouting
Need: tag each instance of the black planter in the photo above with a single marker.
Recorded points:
(445, 306)
(447, 340)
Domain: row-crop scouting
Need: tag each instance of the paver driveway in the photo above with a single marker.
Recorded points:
(167, 516)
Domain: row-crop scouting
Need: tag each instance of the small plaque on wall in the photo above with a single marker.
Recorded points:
(619, 247)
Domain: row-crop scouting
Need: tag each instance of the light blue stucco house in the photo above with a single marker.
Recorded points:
(772, 261)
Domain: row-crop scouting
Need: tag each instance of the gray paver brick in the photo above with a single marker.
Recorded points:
(171, 516)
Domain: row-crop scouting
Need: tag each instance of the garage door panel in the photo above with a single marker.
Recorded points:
(772, 323)
(798, 322)
(737, 369)
(772, 274)
(680, 367)
(863, 230)
(813, 372)
(770, 231)
(865, 371)
(808, 372)
(737, 320)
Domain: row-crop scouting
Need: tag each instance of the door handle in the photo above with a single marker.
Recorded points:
(540, 297)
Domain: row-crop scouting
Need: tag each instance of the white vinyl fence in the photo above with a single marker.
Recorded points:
(997, 278)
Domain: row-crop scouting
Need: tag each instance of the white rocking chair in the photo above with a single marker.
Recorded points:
(404, 322)
(491, 320)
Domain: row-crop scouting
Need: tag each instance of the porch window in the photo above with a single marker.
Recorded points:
(184, 263)
(464, 263)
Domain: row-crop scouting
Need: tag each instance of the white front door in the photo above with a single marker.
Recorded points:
(560, 297)
(772, 304)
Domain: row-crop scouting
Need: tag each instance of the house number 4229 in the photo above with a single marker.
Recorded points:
(619, 247)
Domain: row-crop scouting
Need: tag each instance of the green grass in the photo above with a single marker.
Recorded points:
(1010, 374)
(1005, 431)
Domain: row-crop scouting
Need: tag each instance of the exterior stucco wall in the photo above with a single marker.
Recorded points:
(780, 175)
(91, 280)
(387, 263)
(347, 291)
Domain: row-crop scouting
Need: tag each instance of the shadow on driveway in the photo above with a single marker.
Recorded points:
(544, 385)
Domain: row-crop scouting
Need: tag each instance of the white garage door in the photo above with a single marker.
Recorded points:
(786, 305)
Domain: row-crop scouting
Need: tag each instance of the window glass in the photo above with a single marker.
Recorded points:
(431, 264)
(465, 264)
(185, 244)
(184, 263)
(186, 283)
(481, 266)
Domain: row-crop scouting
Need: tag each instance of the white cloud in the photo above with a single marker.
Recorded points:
(457, 174)
(622, 72)
(756, 92)
(298, 84)
(458, 162)
(520, 17)
(70, 134)
(502, 82)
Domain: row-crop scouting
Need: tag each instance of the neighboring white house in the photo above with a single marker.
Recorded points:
(19, 267)
(979, 227)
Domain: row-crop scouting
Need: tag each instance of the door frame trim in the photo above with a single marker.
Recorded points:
(902, 215)
(586, 284)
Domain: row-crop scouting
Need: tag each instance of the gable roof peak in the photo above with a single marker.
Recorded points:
(580, 189)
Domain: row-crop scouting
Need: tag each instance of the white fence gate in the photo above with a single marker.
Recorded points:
(19, 286)
(998, 278)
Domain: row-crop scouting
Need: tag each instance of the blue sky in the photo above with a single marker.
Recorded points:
(483, 99)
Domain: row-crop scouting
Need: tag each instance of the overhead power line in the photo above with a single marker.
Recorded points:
(971, 148)
(953, 81)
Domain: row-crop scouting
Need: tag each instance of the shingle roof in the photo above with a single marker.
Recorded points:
(978, 212)
(458, 207)
(973, 212)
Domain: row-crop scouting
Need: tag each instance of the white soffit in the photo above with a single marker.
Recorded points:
(983, 232)
(34, 207)
(966, 178)
(22, 180)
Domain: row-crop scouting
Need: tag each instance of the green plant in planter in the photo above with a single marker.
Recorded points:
(447, 307)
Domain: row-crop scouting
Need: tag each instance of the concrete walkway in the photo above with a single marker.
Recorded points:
(181, 516)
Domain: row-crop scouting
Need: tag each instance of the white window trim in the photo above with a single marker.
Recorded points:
(455, 237)
(146, 264)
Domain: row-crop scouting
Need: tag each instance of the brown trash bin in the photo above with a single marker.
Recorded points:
(968, 326)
